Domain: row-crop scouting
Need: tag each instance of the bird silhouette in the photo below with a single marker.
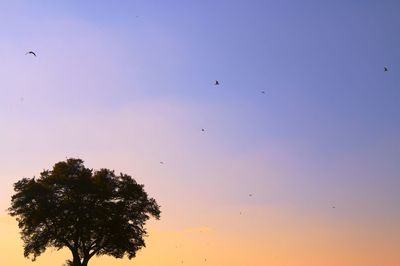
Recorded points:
(203, 130)
(216, 83)
(385, 69)
(250, 195)
(30, 52)
(161, 162)
(263, 92)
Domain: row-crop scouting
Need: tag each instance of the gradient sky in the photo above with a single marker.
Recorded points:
(127, 84)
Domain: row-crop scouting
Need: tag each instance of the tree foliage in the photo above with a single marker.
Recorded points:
(89, 212)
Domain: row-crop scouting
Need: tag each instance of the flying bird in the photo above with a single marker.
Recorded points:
(263, 92)
(203, 130)
(30, 52)
(161, 162)
(385, 69)
(250, 195)
(216, 83)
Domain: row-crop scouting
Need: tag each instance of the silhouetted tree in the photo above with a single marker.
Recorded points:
(89, 212)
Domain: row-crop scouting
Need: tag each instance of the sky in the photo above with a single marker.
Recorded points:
(125, 85)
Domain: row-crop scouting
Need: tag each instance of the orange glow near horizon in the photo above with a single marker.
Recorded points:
(276, 239)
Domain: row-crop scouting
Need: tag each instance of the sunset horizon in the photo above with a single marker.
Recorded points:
(266, 131)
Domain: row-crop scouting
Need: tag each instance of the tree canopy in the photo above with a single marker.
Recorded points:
(89, 212)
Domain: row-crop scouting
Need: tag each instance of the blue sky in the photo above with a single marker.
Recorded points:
(321, 65)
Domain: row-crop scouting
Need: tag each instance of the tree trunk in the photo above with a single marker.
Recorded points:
(85, 261)
(76, 261)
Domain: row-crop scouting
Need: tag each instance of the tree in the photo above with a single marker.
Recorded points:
(89, 212)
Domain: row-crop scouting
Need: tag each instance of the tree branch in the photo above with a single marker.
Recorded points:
(94, 252)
